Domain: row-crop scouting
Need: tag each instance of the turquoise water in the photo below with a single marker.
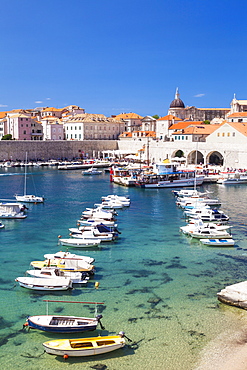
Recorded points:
(157, 285)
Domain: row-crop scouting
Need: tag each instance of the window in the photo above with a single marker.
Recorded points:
(223, 134)
(233, 134)
(79, 127)
(75, 136)
(24, 132)
(182, 137)
(79, 136)
(186, 137)
(175, 137)
(228, 134)
(218, 134)
(75, 127)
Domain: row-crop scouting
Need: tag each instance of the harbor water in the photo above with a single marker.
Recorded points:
(157, 285)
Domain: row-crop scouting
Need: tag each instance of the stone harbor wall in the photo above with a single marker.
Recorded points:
(45, 150)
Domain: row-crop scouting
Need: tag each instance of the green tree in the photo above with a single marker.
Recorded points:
(156, 116)
(207, 122)
(7, 137)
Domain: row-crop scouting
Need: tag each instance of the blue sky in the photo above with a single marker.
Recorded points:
(114, 56)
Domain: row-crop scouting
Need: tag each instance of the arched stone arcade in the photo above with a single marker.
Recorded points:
(215, 158)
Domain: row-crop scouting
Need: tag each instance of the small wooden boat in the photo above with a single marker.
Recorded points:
(218, 242)
(51, 284)
(62, 324)
(65, 264)
(80, 242)
(85, 346)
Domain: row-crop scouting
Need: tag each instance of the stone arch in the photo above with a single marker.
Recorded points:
(215, 158)
(195, 157)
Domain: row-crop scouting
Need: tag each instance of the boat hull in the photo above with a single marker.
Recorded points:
(171, 184)
(84, 347)
(61, 324)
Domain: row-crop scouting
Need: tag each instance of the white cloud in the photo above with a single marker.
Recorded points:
(38, 102)
(199, 95)
(3, 105)
(48, 99)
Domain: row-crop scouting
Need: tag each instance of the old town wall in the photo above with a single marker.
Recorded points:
(45, 150)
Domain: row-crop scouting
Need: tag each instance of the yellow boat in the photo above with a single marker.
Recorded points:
(65, 264)
(85, 346)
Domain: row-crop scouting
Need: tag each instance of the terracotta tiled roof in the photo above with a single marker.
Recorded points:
(195, 130)
(223, 109)
(183, 124)
(239, 126)
(126, 134)
(169, 117)
(128, 116)
(238, 114)
(51, 109)
(92, 118)
(3, 114)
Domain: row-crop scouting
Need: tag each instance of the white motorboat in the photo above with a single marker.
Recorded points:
(189, 193)
(53, 272)
(12, 211)
(80, 242)
(50, 284)
(209, 234)
(92, 235)
(111, 204)
(116, 198)
(1, 225)
(91, 171)
(194, 202)
(235, 295)
(198, 224)
(218, 242)
(99, 213)
(25, 197)
(210, 215)
(96, 221)
(69, 255)
(232, 178)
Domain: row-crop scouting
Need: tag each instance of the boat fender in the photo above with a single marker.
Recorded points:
(96, 285)
(25, 325)
(65, 356)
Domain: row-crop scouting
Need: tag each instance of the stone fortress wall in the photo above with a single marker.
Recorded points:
(45, 150)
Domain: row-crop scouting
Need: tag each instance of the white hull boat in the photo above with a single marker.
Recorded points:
(209, 234)
(25, 197)
(84, 346)
(62, 324)
(56, 284)
(218, 242)
(199, 225)
(69, 255)
(91, 172)
(53, 272)
(80, 242)
(12, 211)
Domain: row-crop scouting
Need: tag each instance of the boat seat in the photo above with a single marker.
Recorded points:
(81, 345)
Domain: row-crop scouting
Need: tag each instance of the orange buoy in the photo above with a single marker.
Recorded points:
(59, 236)
(96, 285)
(65, 357)
(26, 324)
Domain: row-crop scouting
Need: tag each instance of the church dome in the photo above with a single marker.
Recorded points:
(177, 102)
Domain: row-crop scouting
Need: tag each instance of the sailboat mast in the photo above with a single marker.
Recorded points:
(25, 177)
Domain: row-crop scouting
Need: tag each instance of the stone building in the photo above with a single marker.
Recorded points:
(93, 127)
(178, 109)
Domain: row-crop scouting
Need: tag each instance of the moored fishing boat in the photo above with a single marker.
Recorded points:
(12, 211)
(53, 272)
(50, 284)
(62, 324)
(85, 346)
(218, 242)
(80, 242)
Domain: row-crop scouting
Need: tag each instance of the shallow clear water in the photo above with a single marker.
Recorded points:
(156, 284)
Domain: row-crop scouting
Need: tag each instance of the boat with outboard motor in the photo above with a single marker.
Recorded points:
(85, 346)
(49, 284)
(218, 242)
(54, 272)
